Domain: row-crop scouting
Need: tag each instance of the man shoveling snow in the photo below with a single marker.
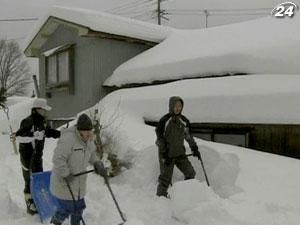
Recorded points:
(172, 129)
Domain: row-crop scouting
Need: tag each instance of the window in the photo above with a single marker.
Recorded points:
(59, 68)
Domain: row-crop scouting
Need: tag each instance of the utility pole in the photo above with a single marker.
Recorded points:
(206, 17)
(36, 86)
(158, 12)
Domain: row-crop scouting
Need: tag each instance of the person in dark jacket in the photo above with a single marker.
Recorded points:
(171, 131)
(74, 151)
(31, 137)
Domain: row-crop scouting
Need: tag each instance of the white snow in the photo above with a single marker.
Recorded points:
(261, 46)
(247, 187)
(52, 51)
(236, 99)
(97, 21)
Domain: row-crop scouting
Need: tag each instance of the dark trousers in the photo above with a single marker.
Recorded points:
(166, 173)
(68, 208)
(32, 162)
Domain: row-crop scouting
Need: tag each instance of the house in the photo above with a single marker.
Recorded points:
(85, 54)
(255, 111)
(257, 108)
(78, 49)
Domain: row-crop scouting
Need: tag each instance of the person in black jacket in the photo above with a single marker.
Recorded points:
(171, 131)
(31, 137)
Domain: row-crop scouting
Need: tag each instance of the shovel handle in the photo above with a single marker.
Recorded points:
(114, 198)
(6, 111)
(202, 164)
(110, 190)
(84, 172)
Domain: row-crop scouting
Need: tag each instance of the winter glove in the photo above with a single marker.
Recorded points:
(196, 152)
(39, 135)
(69, 178)
(100, 169)
(12, 137)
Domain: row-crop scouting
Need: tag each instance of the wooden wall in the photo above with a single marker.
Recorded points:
(281, 139)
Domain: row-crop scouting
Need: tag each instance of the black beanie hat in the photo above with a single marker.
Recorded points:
(84, 122)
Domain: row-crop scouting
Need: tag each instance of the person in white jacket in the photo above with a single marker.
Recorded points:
(74, 151)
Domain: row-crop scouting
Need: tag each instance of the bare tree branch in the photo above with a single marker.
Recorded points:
(14, 70)
(106, 121)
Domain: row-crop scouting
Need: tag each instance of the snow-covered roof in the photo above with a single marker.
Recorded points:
(256, 99)
(267, 45)
(85, 20)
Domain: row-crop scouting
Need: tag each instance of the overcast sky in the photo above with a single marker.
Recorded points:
(182, 13)
(139, 9)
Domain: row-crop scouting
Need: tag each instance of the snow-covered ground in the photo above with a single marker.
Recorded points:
(247, 187)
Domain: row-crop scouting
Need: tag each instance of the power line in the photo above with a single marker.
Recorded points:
(129, 6)
(145, 5)
(237, 9)
(139, 11)
(219, 12)
(131, 14)
(238, 14)
(141, 15)
(240, 9)
(19, 19)
(185, 13)
(122, 6)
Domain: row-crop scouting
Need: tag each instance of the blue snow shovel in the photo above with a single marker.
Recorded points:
(44, 201)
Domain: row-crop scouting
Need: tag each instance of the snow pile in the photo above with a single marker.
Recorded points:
(194, 203)
(134, 222)
(195, 193)
(200, 205)
(247, 187)
(266, 46)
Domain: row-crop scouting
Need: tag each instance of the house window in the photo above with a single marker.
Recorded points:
(232, 139)
(59, 68)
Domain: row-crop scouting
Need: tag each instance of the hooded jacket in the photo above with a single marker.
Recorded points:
(25, 134)
(172, 130)
(71, 156)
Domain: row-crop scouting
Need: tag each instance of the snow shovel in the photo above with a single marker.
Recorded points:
(111, 192)
(6, 110)
(74, 201)
(200, 158)
(45, 202)
(115, 201)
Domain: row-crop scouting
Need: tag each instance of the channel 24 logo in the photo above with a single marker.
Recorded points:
(285, 9)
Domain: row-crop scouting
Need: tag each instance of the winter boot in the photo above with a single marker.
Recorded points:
(31, 209)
